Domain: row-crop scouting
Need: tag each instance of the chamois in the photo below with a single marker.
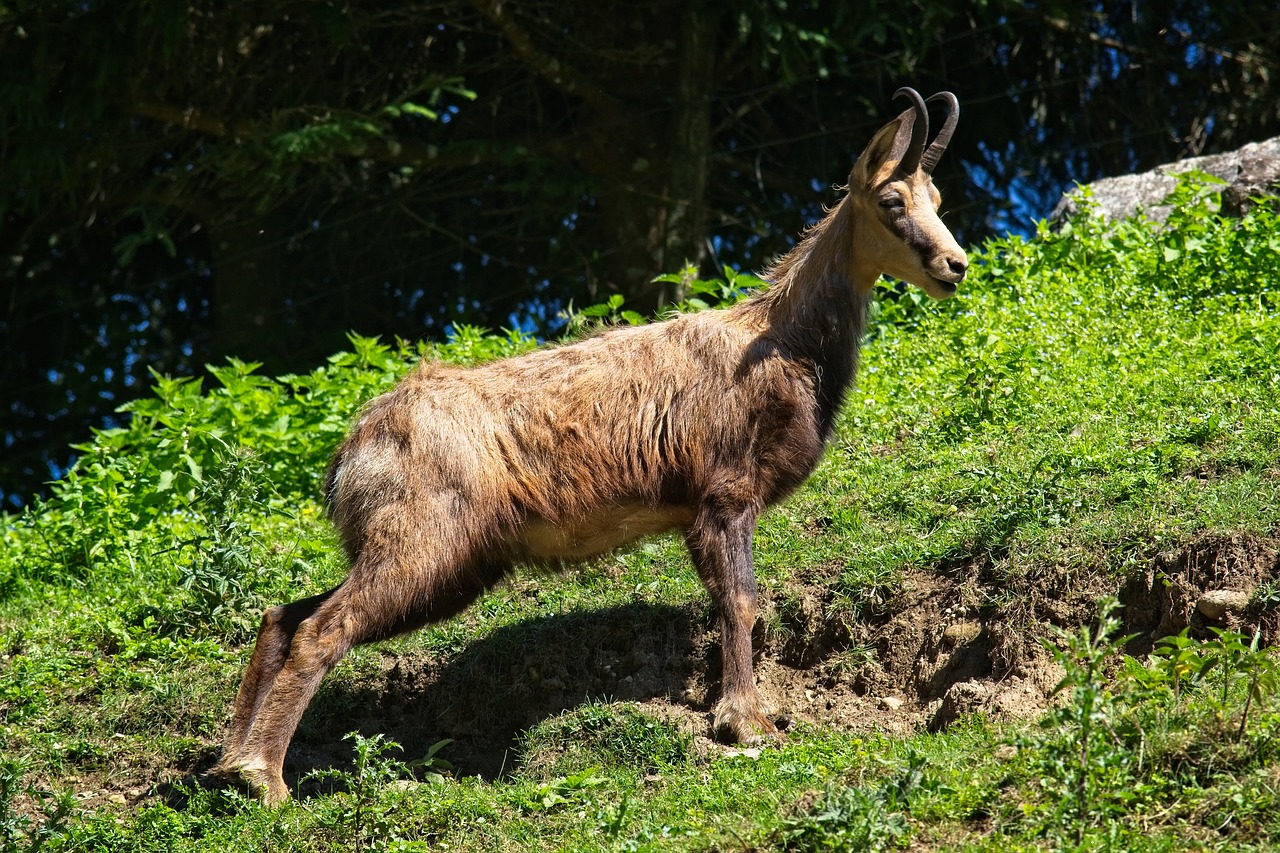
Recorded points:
(695, 424)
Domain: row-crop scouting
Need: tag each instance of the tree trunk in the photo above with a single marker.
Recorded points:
(685, 236)
(248, 293)
(630, 206)
(652, 198)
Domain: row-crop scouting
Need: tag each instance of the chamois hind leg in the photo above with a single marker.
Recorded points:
(279, 624)
(378, 600)
(720, 544)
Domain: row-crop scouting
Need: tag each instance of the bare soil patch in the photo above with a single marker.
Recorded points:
(937, 650)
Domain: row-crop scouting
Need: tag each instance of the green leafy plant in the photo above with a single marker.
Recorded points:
(360, 815)
(696, 295)
(989, 386)
(1246, 666)
(223, 566)
(45, 818)
(1085, 765)
(848, 817)
(1178, 660)
(432, 766)
(561, 791)
(899, 307)
(701, 294)
(608, 313)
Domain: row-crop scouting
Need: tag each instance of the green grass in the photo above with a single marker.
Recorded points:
(1092, 400)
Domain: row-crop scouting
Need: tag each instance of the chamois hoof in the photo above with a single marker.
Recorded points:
(269, 788)
(259, 783)
(743, 725)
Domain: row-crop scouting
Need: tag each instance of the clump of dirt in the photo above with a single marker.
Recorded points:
(937, 651)
(1212, 582)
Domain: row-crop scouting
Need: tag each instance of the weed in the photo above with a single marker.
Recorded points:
(560, 791)
(856, 818)
(1085, 767)
(225, 564)
(989, 387)
(1238, 664)
(433, 767)
(694, 294)
(610, 821)
(20, 832)
(1229, 674)
(1175, 662)
(359, 815)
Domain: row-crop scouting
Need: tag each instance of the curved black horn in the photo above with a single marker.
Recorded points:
(919, 130)
(939, 144)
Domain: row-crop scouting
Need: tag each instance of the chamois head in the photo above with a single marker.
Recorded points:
(892, 188)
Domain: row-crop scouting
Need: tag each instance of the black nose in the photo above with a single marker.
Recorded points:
(958, 265)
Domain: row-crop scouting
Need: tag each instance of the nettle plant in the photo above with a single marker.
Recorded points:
(166, 462)
(1118, 743)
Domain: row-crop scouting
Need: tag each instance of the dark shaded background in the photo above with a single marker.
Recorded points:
(182, 182)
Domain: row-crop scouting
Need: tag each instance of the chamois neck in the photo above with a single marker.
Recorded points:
(819, 291)
(815, 309)
(827, 251)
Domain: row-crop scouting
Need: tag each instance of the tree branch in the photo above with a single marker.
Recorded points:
(389, 150)
(190, 118)
(562, 76)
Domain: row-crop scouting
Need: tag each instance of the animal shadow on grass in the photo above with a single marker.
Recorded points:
(487, 695)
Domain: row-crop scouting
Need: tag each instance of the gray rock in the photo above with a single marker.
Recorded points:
(1253, 170)
(1217, 603)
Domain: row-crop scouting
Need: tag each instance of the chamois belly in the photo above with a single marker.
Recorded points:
(599, 532)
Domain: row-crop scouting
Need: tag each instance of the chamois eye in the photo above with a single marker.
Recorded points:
(892, 202)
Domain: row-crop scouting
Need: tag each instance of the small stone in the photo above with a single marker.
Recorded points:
(1217, 603)
(1006, 752)
(750, 752)
(963, 697)
(118, 799)
(959, 633)
(890, 703)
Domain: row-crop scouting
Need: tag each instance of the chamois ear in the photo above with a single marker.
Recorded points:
(884, 150)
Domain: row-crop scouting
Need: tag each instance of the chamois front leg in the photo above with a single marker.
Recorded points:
(720, 544)
(278, 687)
(279, 625)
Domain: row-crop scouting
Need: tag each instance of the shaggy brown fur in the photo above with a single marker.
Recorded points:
(696, 424)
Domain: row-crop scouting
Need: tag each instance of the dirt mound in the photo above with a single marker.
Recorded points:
(937, 651)
(1215, 582)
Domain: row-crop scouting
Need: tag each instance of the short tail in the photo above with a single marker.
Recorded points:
(333, 479)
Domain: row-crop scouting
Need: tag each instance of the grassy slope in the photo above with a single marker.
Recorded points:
(1090, 400)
